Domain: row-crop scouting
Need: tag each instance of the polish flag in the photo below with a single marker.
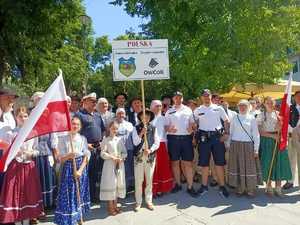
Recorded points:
(50, 115)
(285, 113)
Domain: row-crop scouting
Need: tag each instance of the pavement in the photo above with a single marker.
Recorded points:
(210, 209)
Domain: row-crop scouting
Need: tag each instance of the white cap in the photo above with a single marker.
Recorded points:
(120, 110)
(102, 100)
(243, 102)
(91, 95)
(37, 95)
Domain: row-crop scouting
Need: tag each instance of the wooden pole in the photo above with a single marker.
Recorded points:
(274, 153)
(76, 180)
(144, 112)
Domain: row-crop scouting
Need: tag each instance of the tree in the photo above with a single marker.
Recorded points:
(39, 36)
(217, 44)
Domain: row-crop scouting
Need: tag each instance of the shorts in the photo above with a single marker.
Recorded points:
(180, 147)
(213, 146)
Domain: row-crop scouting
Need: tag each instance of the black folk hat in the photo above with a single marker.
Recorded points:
(147, 112)
(8, 92)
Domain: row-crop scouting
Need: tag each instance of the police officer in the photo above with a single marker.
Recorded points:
(93, 129)
(211, 139)
(179, 121)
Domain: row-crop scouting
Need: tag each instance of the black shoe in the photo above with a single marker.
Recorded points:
(191, 191)
(223, 191)
(203, 190)
(213, 183)
(176, 188)
(287, 186)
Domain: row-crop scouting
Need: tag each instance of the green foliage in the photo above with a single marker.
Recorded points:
(217, 44)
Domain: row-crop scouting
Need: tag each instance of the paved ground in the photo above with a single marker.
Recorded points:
(211, 209)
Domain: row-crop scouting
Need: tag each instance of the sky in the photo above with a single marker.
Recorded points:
(110, 20)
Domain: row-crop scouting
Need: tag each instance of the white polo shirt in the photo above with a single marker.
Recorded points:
(209, 117)
(180, 118)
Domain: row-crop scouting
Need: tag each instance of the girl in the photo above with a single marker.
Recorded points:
(68, 211)
(21, 195)
(113, 185)
(269, 128)
(244, 144)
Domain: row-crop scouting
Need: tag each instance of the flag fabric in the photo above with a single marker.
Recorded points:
(50, 115)
(285, 113)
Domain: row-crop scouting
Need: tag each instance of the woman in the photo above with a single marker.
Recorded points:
(68, 210)
(162, 177)
(244, 144)
(113, 184)
(21, 195)
(269, 127)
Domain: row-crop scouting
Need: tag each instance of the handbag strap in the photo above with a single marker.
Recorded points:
(244, 129)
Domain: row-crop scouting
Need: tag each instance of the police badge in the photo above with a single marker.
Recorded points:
(127, 66)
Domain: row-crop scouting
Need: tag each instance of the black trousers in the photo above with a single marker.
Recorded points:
(94, 172)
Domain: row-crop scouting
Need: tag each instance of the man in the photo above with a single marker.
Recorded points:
(294, 152)
(125, 132)
(120, 102)
(7, 120)
(75, 105)
(104, 113)
(179, 121)
(136, 107)
(93, 129)
(211, 140)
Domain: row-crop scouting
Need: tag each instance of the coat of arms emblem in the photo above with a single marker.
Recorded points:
(127, 66)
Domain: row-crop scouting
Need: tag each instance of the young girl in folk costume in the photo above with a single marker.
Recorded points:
(113, 185)
(269, 126)
(162, 177)
(68, 210)
(144, 158)
(21, 195)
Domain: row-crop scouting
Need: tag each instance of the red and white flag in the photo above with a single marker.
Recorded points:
(285, 113)
(50, 115)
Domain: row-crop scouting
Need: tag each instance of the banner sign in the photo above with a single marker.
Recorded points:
(140, 60)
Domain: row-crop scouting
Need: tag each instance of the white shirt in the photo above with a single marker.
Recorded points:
(180, 118)
(255, 112)
(237, 133)
(209, 117)
(80, 146)
(137, 140)
(231, 114)
(160, 123)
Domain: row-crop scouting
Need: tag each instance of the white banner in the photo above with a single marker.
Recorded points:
(140, 60)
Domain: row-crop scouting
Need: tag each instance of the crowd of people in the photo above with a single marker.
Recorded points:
(117, 150)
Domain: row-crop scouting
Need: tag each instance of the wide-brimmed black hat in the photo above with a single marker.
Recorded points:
(8, 92)
(147, 112)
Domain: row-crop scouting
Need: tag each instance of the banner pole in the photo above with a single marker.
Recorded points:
(144, 112)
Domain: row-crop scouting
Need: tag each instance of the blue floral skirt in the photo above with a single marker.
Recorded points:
(68, 211)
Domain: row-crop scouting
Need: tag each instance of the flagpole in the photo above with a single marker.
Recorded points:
(76, 180)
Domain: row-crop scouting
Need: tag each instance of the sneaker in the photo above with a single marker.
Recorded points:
(176, 188)
(203, 190)
(223, 192)
(191, 191)
(287, 186)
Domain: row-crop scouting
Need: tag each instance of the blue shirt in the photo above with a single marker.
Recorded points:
(92, 126)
